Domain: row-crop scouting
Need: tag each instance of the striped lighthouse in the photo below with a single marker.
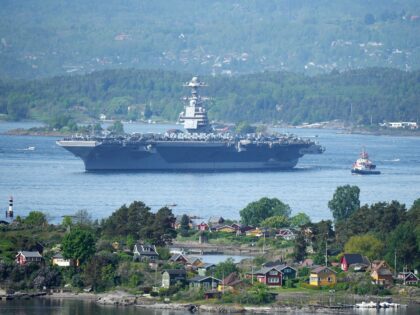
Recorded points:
(9, 212)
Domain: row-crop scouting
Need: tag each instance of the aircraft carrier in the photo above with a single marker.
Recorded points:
(198, 148)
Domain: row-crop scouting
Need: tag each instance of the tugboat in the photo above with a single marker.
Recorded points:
(364, 166)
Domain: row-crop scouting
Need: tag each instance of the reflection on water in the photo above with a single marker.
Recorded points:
(45, 306)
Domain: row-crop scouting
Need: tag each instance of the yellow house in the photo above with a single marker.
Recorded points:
(226, 229)
(59, 260)
(255, 232)
(322, 276)
(381, 272)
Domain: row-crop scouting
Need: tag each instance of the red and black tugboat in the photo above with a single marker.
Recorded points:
(364, 166)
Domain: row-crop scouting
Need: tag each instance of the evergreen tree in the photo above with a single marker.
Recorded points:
(184, 225)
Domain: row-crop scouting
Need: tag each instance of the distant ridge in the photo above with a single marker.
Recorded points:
(48, 38)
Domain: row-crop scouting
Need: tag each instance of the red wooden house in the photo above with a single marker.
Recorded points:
(203, 226)
(356, 261)
(408, 278)
(25, 257)
(270, 276)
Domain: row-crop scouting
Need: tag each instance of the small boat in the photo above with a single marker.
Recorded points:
(364, 166)
(368, 305)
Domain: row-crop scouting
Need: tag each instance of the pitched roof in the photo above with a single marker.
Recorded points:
(189, 259)
(232, 279)
(264, 270)
(355, 259)
(207, 266)
(146, 250)
(27, 254)
(202, 278)
(175, 272)
(379, 264)
(277, 262)
(406, 275)
(58, 255)
(384, 272)
(321, 269)
(175, 257)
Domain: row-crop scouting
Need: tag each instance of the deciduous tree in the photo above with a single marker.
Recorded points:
(79, 244)
(366, 245)
(257, 211)
(345, 201)
(36, 218)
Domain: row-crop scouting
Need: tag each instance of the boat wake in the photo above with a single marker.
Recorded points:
(393, 160)
(27, 149)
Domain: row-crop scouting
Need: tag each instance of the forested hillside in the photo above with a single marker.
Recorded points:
(55, 37)
(355, 96)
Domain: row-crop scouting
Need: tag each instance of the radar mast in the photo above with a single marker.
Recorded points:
(194, 116)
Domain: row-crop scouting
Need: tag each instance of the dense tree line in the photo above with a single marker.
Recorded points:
(383, 230)
(357, 97)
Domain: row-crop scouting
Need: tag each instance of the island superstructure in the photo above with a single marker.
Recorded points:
(199, 148)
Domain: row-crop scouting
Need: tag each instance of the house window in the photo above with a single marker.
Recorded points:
(273, 280)
(329, 279)
(273, 273)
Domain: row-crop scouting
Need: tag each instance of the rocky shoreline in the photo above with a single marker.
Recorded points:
(123, 299)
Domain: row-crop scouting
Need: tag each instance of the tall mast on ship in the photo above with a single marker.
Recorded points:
(194, 116)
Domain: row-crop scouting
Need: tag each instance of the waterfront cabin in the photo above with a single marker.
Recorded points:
(287, 271)
(172, 276)
(145, 252)
(408, 278)
(270, 276)
(231, 283)
(257, 232)
(205, 282)
(322, 276)
(60, 261)
(179, 258)
(286, 234)
(241, 229)
(381, 273)
(355, 261)
(188, 261)
(24, 257)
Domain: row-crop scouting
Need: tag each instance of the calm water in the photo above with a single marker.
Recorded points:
(52, 180)
(74, 307)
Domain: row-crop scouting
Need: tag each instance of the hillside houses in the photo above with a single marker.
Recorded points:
(25, 257)
(144, 252)
(355, 261)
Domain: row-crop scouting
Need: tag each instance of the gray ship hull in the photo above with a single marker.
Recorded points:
(185, 156)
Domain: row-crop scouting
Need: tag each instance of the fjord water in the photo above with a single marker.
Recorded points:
(46, 306)
(52, 180)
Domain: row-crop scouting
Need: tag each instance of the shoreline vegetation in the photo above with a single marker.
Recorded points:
(314, 302)
(338, 126)
(129, 257)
